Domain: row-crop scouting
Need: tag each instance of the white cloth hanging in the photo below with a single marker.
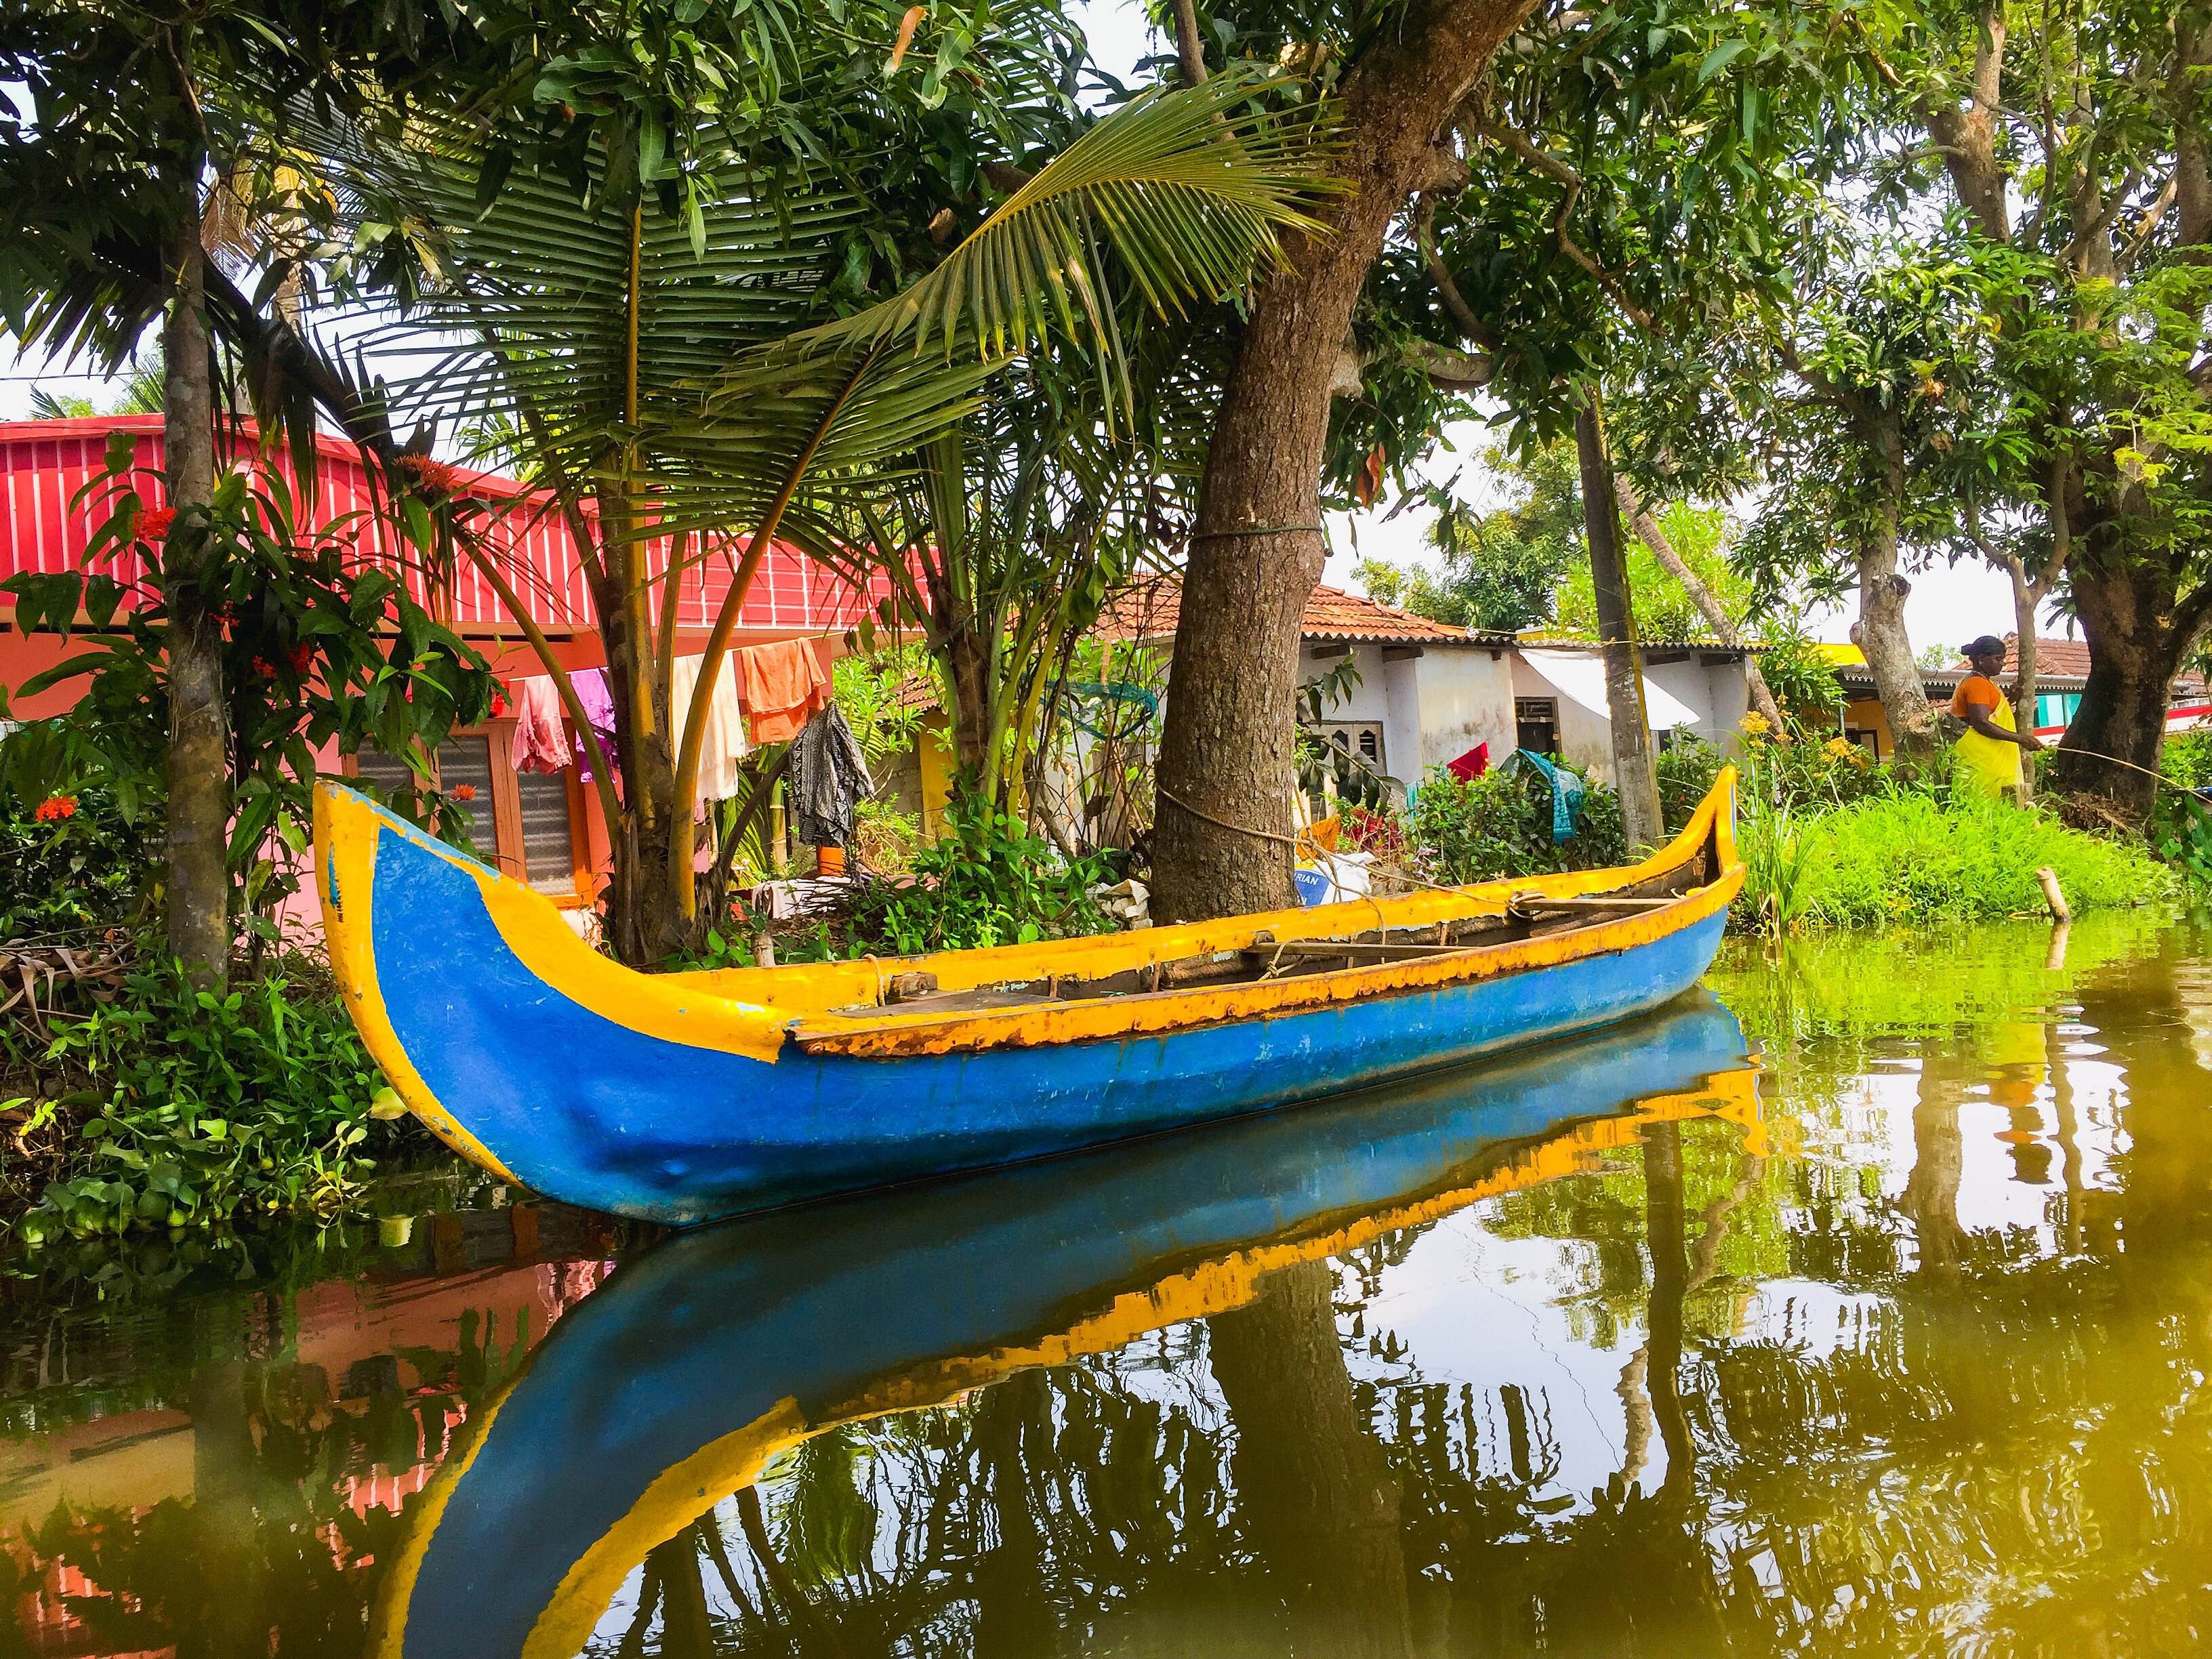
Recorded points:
(724, 745)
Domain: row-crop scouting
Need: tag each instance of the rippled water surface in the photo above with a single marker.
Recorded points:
(1892, 1340)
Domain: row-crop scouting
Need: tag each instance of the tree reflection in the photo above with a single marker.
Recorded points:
(1319, 1508)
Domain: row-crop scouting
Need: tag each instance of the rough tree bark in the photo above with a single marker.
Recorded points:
(198, 761)
(1223, 819)
(2147, 613)
(1635, 777)
(1880, 631)
(1708, 605)
(646, 925)
(2141, 630)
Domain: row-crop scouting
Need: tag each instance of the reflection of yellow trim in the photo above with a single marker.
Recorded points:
(346, 831)
(387, 1616)
(687, 1491)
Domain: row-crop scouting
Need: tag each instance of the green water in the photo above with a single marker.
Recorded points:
(1911, 1359)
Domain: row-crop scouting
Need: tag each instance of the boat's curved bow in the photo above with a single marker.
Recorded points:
(685, 1097)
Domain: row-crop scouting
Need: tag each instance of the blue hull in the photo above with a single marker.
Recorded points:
(594, 1113)
(796, 1321)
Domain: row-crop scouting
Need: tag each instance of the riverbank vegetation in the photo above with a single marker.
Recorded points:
(932, 299)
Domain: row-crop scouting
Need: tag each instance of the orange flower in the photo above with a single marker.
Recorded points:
(437, 477)
(54, 808)
(465, 791)
(154, 523)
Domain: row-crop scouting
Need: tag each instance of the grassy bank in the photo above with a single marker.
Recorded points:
(1923, 856)
(1831, 840)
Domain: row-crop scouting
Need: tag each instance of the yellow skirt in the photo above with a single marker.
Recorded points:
(1989, 765)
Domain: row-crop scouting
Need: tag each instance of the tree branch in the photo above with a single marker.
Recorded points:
(1551, 168)
(1456, 306)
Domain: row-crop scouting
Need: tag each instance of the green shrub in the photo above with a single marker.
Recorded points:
(2187, 759)
(988, 881)
(1908, 856)
(181, 1108)
(81, 873)
(1689, 767)
(1500, 824)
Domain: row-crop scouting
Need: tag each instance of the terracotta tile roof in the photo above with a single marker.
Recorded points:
(2060, 666)
(1150, 612)
(2059, 659)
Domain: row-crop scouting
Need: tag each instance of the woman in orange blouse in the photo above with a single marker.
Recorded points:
(1993, 742)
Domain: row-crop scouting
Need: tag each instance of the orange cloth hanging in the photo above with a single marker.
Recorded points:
(784, 685)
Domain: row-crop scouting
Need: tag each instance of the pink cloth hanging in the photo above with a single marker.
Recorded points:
(541, 739)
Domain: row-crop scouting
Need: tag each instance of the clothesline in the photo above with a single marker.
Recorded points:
(762, 693)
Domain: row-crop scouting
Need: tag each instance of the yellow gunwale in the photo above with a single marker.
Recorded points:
(877, 1033)
(838, 1007)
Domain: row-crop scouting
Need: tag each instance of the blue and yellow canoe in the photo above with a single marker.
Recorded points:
(685, 1097)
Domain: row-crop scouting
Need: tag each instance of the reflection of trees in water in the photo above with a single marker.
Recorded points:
(268, 1556)
(1974, 1442)
(1951, 1438)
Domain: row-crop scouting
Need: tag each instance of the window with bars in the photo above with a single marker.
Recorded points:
(529, 823)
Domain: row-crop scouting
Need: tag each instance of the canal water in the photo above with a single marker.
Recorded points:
(1863, 1306)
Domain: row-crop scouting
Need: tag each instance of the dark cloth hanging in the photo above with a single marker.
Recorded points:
(829, 778)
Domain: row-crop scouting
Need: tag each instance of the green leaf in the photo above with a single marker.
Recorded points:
(1720, 58)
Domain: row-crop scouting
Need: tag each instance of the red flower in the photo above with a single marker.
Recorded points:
(465, 791)
(264, 667)
(54, 808)
(438, 477)
(154, 523)
(303, 658)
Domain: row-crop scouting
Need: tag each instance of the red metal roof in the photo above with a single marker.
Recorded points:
(1150, 612)
(45, 464)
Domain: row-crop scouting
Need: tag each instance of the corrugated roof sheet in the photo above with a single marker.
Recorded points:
(2060, 666)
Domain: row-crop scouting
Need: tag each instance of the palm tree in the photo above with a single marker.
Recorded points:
(671, 382)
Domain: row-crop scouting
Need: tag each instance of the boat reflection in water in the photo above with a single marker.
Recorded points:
(671, 1387)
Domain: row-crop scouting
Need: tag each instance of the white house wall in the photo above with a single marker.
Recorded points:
(1719, 692)
(1432, 708)
(1585, 738)
(1466, 698)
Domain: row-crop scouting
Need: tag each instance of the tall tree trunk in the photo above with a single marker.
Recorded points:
(1708, 603)
(1223, 820)
(2026, 602)
(198, 761)
(645, 924)
(1636, 779)
(967, 664)
(1313, 1491)
(2137, 646)
(1880, 631)
(2142, 620)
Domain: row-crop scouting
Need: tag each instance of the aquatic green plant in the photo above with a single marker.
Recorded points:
(174, 1106)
